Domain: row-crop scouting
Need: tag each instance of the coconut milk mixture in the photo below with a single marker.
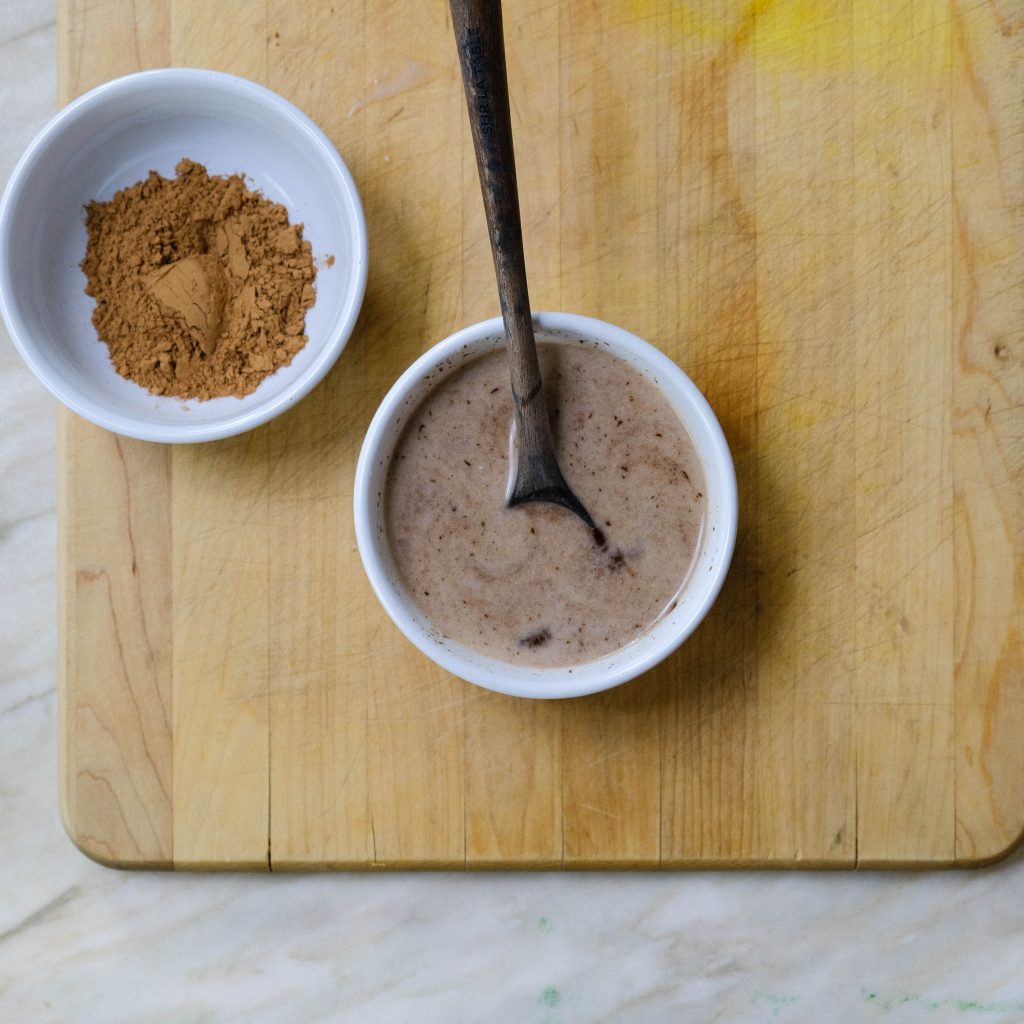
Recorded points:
(529, 584)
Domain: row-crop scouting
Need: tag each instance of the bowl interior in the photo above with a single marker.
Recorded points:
(150, 123)
(589, 677)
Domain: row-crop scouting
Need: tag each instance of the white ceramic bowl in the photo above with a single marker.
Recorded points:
(111, 138)
(667, 633)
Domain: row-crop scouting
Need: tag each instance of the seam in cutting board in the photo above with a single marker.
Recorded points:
(266, 492)
(854, 290)
(270, 708)
(950, 127)
(659, 195)
(562, 13)
(170, 653)
(367, 767)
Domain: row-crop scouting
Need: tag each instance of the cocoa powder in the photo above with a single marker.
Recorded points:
(201, 284)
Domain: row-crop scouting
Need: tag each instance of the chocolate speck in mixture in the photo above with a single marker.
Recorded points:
(616, 560)
(535, 639)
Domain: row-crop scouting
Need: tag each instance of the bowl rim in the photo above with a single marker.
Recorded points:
(245, 419)
(531, 682)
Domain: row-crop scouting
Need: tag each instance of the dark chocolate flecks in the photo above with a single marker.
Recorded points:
(536, 639)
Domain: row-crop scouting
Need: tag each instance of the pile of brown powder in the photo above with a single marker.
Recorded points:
(201, 285)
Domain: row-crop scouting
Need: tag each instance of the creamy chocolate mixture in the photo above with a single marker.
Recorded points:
(529, 584)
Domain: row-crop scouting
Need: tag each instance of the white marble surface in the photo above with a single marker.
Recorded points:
(80, 943)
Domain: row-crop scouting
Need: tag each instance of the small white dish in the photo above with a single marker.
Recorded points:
(667, 633)
(111, 138)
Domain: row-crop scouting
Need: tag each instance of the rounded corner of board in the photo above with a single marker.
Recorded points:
(990, 859)
(103, 853)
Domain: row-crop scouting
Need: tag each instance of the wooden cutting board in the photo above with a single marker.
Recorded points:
(816, 209)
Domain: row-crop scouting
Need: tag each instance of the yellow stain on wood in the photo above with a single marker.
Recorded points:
(821, 35)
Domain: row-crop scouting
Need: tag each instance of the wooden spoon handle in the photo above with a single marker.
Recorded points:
(478, 34)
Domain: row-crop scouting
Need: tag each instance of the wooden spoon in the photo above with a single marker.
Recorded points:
(478, 34)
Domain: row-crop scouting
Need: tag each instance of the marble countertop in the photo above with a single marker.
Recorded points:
(81, 943)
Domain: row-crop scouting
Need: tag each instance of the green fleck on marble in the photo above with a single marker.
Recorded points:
(550, 996)
(779, 1004)
(967, 1006)
(544, 925)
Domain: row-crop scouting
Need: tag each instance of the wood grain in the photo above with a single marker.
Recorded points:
(818, 211)
(803, 211)
(318, 756)
(611, 765)
(415, 728)
(114, 554)
(988, 459)
(514, 748)
(711, 809)
(221, 570)
(115, 571)
(903, 641)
